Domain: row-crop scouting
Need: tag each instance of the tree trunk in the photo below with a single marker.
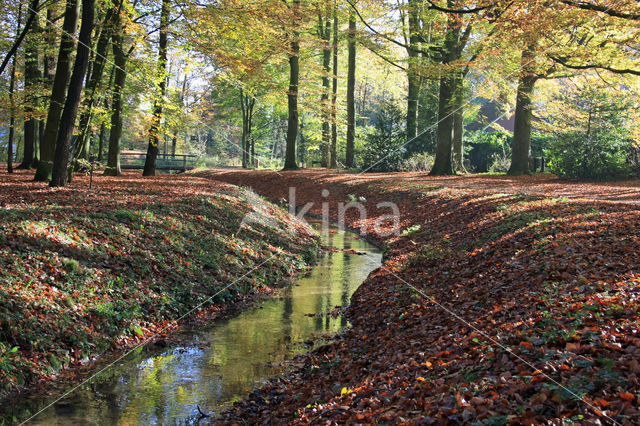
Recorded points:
(351, 92)
(68, 119)
(81, 147)
(522, 128)
(251, 141)
(292, 96)
(12, 106)
(31, 78)
(120, 62)
(63, 72)
(174, 140)
(12, 117)
(442, 164)
(152, 150)
(245, 125)
(334, 96)
(453, 47)
(48, 74)
(458, 126)
(413, 77)
(324, 31)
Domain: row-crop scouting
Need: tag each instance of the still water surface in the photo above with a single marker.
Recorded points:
(218, 364)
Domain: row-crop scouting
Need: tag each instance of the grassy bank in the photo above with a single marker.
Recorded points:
(84, 272)
(496, 304)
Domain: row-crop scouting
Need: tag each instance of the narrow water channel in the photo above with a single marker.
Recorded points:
(221, 363)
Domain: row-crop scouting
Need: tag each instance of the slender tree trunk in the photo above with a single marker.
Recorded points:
(251, 141)
(48, 75)
(245, 121)
(174, 141)
(324, 30)
(413, 77)
(63, 72)
(152, 150)
(334, 95)
(102, 134)
(120, 62)
(458, 128)
(81, 147)
(12, 106)
(522, 128)
(103, 126)
(292, 96)
(31, 78)
(351, 92)
(12, 117)
(70, 112)
(33, 12)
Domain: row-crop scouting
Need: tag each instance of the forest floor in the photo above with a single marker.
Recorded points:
(87, 271)
(503, 300)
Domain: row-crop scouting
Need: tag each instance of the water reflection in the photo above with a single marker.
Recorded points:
(224, 362)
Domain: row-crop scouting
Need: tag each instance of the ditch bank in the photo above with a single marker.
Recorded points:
(491, 307)
(86, 273)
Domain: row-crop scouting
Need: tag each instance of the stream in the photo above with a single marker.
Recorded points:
(215, 365)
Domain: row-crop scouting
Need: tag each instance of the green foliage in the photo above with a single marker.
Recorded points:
(600, 156)
(384, 149)
(421, 162)
(487, 151)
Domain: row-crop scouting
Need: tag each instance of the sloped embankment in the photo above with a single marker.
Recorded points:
(490, 308)
(84, 272)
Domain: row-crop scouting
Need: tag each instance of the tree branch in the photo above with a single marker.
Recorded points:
(459, 11)
(564, 63)
(597, 8)
(16, 44)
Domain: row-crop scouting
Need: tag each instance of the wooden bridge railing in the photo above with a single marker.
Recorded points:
(177, 162)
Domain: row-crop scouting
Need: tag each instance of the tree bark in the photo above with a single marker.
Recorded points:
(458, 126)
(31, 78)
(245, 125)
(120, 62)
(453, 47)
(12, 106)
(292, 96)
(324, 31)
(351, 92)
(62, 75)
(48, 73)
(413, 77)
(152, 150)
(81, 147)
(334, 95)
(70, 112)
(521, 150)
(442, 164)
(12, 117)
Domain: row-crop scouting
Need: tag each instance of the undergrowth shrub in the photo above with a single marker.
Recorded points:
(600, 156)
(421, 162)
(483, 149)
(384, 149)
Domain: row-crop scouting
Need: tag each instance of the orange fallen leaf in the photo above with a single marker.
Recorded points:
(627, 396)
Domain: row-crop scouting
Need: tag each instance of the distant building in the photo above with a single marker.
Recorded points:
(491, 118)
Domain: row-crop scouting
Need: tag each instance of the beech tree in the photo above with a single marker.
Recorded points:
(56, 103)
(152, 150)
(351, 87)
(68, 118)
(294, 81)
